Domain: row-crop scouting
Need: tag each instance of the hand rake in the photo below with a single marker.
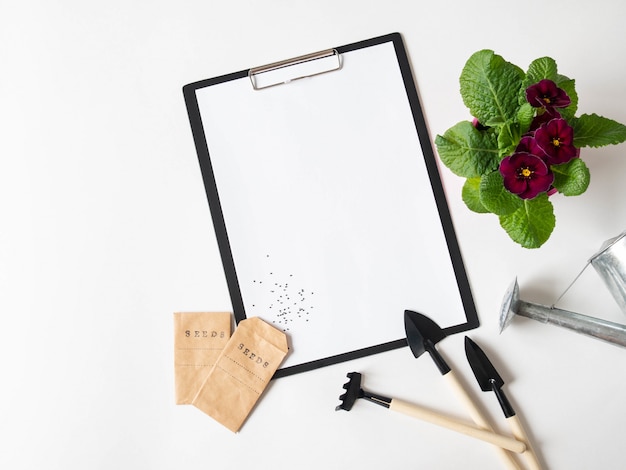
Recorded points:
(354, 391)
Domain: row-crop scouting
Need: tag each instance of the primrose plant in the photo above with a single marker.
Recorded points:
(523, 144)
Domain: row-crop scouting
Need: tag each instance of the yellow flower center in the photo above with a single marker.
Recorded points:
(526, 172)
(546, 100)
(556, 142)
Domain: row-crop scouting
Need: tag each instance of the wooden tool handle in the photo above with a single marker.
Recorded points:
(456, 425)
(520, 434)
(477, 416)
(470, 405)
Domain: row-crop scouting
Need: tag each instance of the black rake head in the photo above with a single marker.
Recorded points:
(353, 391)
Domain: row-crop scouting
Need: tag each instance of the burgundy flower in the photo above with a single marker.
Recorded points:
(541, 118)
(545, 94)
(556, 139)
(528, 144)
(525, 175)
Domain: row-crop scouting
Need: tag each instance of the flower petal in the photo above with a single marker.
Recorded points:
(539, 184)
(528, 144)
(515, 185)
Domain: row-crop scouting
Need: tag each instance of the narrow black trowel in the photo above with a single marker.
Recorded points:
(489, 380)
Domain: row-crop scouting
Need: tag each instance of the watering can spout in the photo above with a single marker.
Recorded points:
(607, 331)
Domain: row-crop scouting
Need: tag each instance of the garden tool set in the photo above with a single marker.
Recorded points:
(422, 336)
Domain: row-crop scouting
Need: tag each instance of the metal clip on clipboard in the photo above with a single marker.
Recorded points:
(286, 71)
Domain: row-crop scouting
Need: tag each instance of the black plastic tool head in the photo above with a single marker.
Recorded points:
(353, 391)
(422, 334)
(420, 330)
(485, 372)
(487, 376)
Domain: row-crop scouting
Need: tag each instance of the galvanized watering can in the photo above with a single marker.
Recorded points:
(610, 264)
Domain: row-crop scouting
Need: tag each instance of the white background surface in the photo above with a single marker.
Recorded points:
(105, 231)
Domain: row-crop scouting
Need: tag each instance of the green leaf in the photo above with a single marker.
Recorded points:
(568, 86)
(525, 116)
(540, 69)
(508, 138)
(468, 152)
(571, 178)
(591, 130)
(495, 197)
(470, 195)
(490, 86)
(532, 224)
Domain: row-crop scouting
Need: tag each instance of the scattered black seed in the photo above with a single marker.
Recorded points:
(288, 309)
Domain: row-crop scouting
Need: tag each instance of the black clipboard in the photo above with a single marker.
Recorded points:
(327, 203)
